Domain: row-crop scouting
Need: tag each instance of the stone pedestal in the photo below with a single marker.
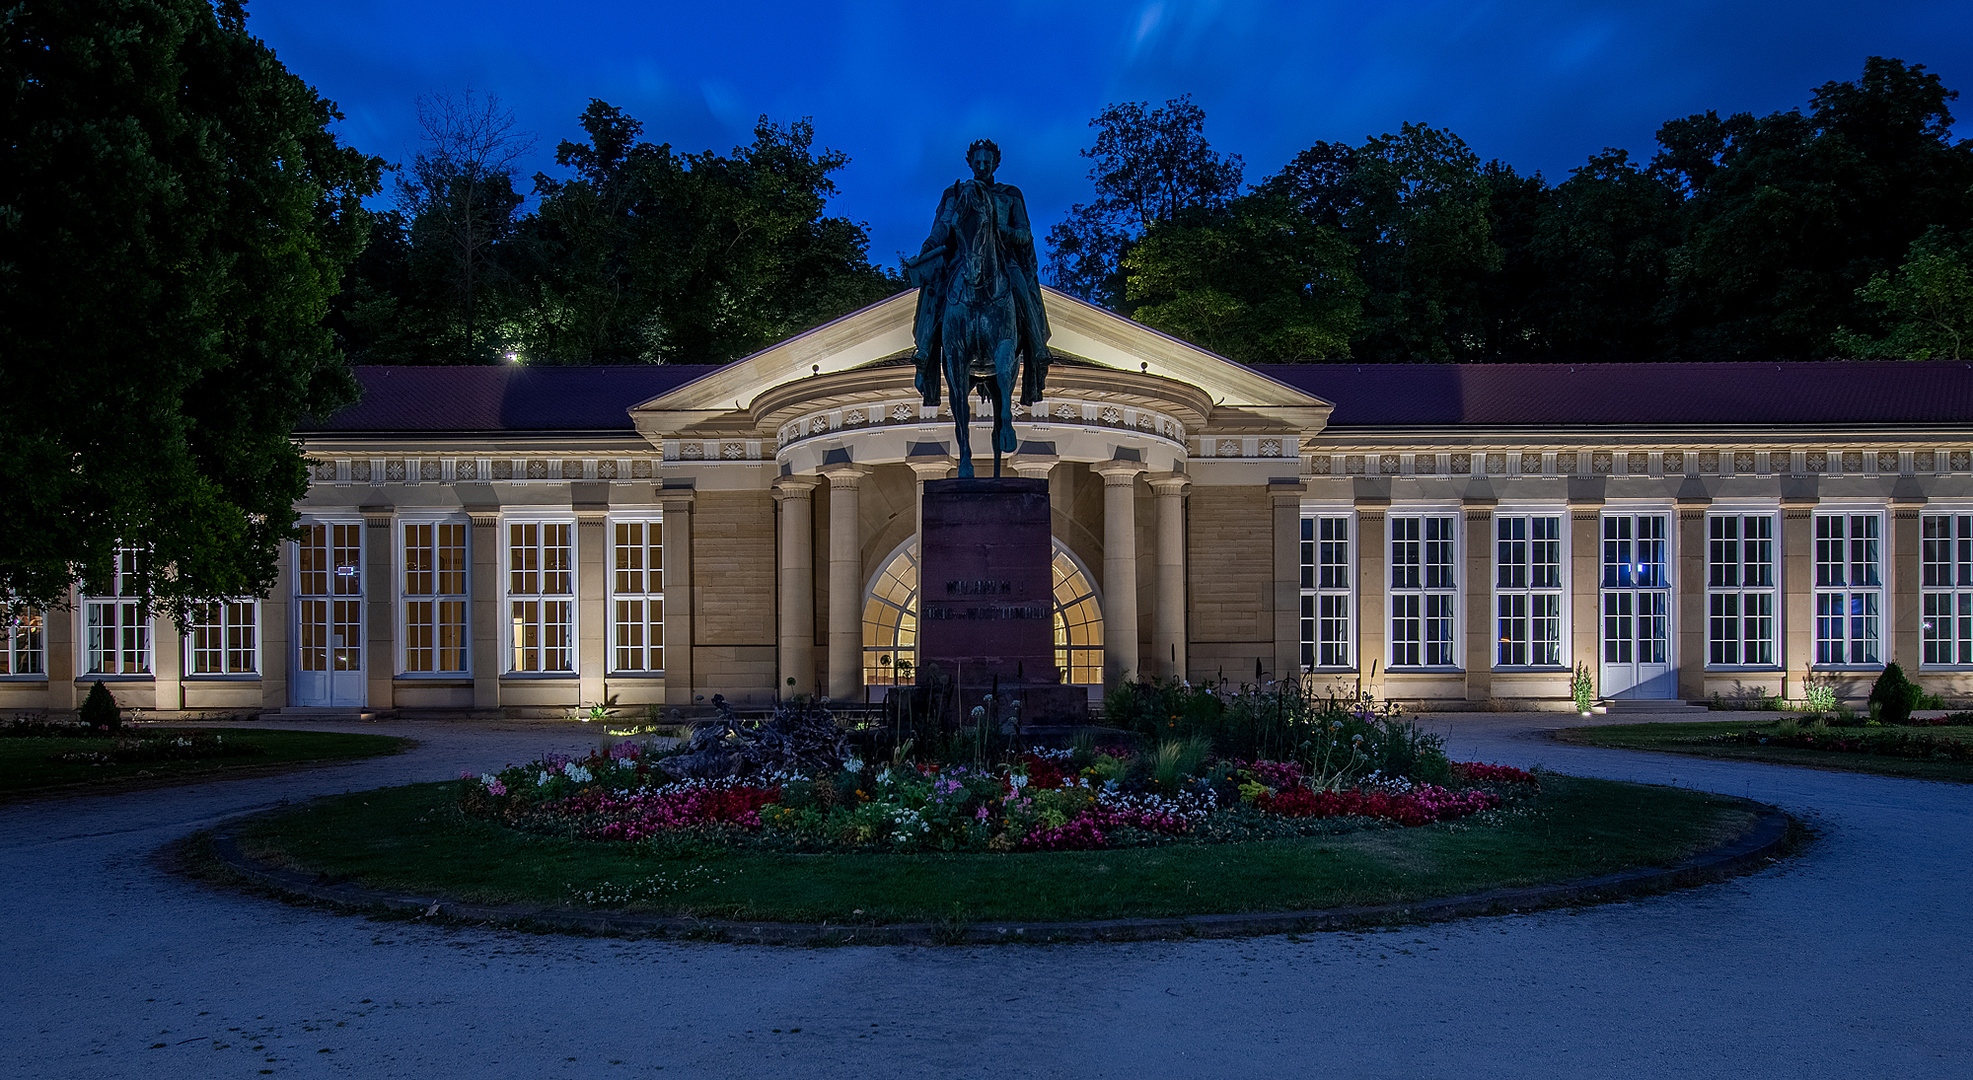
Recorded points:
(986, 594)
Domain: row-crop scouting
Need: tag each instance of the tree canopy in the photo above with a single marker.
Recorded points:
(1743, 237)
(642, 255)
(174, 219)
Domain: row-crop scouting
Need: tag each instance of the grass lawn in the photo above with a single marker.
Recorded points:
(32, 765)
(413, 839)
(1694, 738)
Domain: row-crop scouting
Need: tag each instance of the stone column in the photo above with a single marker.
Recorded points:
(1585, 587)
(592, 589)
(381, 588)
(926, 470)
(276, 624)
(1481, 633)
(167, 666)
(486, 557)
(796, 494)
(1285, 499)
(1690, 600)
(1371, 632)
(845, 583)
(1168, 618)
(59, 628)
(680, 594)
(1119, 568)
(1797, 615)
(1906, 644)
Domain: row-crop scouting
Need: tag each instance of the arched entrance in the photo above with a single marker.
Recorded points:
(890, 618)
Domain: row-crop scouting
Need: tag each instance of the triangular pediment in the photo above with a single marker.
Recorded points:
(1077, 328)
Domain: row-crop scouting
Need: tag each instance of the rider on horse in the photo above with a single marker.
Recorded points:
(980, 319)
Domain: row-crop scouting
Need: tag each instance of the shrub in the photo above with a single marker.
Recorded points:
(99, 709)
(1894, 695)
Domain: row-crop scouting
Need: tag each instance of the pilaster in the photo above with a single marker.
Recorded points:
(380, 592)
(167, 665)
(1285, 502)
(483, 620)
(846, 581)
(276, 624)
(796, 627)
(1691, 598)
(1370, 584)
(681, 594)
(592, 577)
(1168, 618)
(1585, 587)
(1479, 630)
(1907, 604)
(1120, 658)
(1797, 615)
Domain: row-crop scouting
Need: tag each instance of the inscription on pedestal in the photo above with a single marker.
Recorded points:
(986, 599)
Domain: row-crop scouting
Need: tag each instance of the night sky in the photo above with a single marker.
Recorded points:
(902, 88)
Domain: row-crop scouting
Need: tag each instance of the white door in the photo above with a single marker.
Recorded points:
(1636, 629)
(328, 662)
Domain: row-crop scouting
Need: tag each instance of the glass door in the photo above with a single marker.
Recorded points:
(328, 669)
(1636, 630)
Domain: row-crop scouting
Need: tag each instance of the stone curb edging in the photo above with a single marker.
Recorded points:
(1759, 843)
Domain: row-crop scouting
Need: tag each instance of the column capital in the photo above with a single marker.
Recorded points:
(844, 475)
(377, 517)
(1035, 466)
(1116, 471)
(795, 486)
(931, 468)
(1170, 484)
(675, 500)
(483, 517)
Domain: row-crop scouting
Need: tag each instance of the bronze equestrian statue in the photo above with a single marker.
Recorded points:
(980, 320)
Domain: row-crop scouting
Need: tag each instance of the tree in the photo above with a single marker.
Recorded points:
(1786, 216)
(459, 200)
(1601, 250)
(1414, 205)
(646, 255)
(174, 217)
(1930, 303)
(1251, 281)
(1150, 164)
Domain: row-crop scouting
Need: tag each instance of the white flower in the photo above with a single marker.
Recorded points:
(853, 764)
(543, 781)
(1018, 781)
(577, 773)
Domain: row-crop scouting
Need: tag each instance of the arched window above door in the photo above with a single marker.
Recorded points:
(890, 619)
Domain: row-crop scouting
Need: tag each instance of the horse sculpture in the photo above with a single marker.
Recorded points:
(980, 323)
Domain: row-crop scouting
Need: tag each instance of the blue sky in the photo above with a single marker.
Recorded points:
(903, 87)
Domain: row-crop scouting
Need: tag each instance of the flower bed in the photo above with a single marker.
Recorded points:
(1041, 800)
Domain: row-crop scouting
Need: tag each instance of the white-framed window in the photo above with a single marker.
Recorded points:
(541, 597)
(23, 641)
(1740, 590)
(1947, 576)
(223, 638)
(637, 595)
(1528, 590)
(1328, 608)
(1424, 590)
(1849, 588)
(118, 637)
(435, 599)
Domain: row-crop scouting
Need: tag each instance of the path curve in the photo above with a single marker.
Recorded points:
(1849, 960)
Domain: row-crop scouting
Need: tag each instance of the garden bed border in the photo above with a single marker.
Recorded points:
(1771, 834)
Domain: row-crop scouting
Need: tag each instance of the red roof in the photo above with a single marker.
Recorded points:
(510, 398)
(1666, 394)
(515, 398)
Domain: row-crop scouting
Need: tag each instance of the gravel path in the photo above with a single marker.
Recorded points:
(1850, 960)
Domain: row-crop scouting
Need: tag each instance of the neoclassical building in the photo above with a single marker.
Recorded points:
(527, 540)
